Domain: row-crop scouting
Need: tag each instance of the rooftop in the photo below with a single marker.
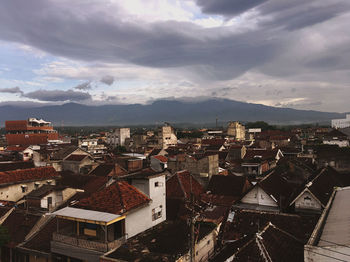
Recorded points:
(79, 214)
(165, 242)
(118, 198)
(181, 184)
(333, 226)
(17, 176)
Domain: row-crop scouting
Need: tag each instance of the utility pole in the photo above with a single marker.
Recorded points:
(192, 224)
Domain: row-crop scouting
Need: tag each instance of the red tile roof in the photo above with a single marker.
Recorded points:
(181, 184)
(118, 198)
(16, 148)
(77, 158)
(212, 142)
(31, 174)
(13, 165)
(161, 158)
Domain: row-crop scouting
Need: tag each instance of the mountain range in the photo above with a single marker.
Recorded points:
(172, 111)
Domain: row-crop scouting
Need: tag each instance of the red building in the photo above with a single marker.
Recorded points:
(29, 132)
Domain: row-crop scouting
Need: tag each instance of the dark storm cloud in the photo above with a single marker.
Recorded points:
(216, 53)
(108, 80)
(303, 14)
(60, 31)
(290, 15)
(58, 95)
(84, 86)
(11, 90)
(227, 7)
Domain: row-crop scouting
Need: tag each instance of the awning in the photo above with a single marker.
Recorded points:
(89, 216)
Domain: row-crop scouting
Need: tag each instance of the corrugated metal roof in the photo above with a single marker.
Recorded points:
(83, 214)
(337, 227)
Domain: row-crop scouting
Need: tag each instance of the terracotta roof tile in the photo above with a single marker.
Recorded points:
(180, 184)
(161, 158)
(38, 173)
(118, 198)
(77, 158)
(13, 165)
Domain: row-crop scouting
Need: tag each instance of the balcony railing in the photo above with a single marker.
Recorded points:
(88, 244)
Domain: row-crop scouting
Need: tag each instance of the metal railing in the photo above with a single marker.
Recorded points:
(88, 244)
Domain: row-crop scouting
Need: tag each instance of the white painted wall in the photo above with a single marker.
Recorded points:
(340, 143)
(141, 219)
(14, 192)
(57, 199)
(203, 248)
(307, 201)
(259, 197)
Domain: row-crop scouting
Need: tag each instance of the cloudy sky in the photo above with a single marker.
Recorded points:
(285, 53)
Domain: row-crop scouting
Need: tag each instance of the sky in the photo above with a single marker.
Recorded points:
(283, 53)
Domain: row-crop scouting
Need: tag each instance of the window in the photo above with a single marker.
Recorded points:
(49, 182)
(36, 185)
(24, 188)
(158, 184)
(156, 213)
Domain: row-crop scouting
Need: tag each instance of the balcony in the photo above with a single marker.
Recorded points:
(84, 243)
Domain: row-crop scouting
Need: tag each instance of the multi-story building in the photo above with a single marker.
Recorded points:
(341, 123)
(236, 130)
(118, 136)
(167, 136)
(103, 221)
(29, 132)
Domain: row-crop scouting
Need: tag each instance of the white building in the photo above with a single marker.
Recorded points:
(341, 123)
(118, 136)
(152, 185)
(167, 136)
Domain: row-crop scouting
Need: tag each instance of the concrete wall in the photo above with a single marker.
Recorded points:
(14, 192)
(206, 166)
(141, 219)
(236, 130)
(57, 198)
(75, 166)
(117, 138)
(167, 137)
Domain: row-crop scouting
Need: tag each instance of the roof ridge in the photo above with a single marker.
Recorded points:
(262, 248)
(120, 196)
(181, 186)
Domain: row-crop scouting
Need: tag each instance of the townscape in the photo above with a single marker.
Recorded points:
(241, 192)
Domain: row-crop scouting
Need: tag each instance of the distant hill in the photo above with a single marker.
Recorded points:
(172, 111)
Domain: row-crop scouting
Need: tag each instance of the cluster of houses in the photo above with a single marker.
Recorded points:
(233, 194)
